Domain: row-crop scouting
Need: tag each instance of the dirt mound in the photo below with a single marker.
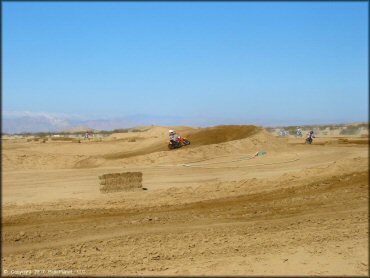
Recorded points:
(222, 133)
(146, 150)
(198, 137)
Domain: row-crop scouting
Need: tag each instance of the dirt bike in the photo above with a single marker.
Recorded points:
(181, 141)
(309, 140)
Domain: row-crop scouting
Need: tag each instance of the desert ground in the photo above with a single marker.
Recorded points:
(240, 200)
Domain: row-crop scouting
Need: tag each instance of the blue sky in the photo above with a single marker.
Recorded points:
(240, 62)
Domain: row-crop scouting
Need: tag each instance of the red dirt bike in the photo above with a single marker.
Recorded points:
(180, 141)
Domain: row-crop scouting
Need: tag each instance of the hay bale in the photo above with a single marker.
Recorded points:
(115, 182)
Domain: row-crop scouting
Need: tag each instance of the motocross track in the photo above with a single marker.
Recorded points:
(211, 208)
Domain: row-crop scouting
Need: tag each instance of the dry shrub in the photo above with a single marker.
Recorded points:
(62, 139)
(115, 182)
(350, 130)
(131, 140)
(353, 141)
(343, 141)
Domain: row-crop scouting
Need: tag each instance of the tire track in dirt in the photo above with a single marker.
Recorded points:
(309, 199)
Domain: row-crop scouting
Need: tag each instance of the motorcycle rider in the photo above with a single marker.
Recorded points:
(173, 136)
(299, 132)
(311, 136)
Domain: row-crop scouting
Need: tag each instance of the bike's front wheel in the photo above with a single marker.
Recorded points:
(186, 142)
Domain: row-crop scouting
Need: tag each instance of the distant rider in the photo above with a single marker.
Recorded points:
(311, 135)
(299, 132)
(173, 136)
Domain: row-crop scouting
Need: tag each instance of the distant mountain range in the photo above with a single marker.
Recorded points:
(22, 122)
(33, 123)
(43, 122)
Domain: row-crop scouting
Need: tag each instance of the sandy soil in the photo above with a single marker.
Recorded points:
(211, 208)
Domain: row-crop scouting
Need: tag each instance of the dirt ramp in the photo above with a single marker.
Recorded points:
(222, 133)
(197, 137)
(146, 150)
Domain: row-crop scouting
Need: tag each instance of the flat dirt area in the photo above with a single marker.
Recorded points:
(237, 201)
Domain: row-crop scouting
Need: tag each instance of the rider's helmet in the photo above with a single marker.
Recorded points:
(171, 132)
(311, 131)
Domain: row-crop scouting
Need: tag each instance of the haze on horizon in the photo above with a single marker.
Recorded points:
(263, 63)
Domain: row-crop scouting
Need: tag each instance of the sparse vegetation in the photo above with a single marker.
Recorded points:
(364, 125)
(121, 130)
(61, 139)
(350, 130)
(65, 139)
(322, 128)
(291, 130)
